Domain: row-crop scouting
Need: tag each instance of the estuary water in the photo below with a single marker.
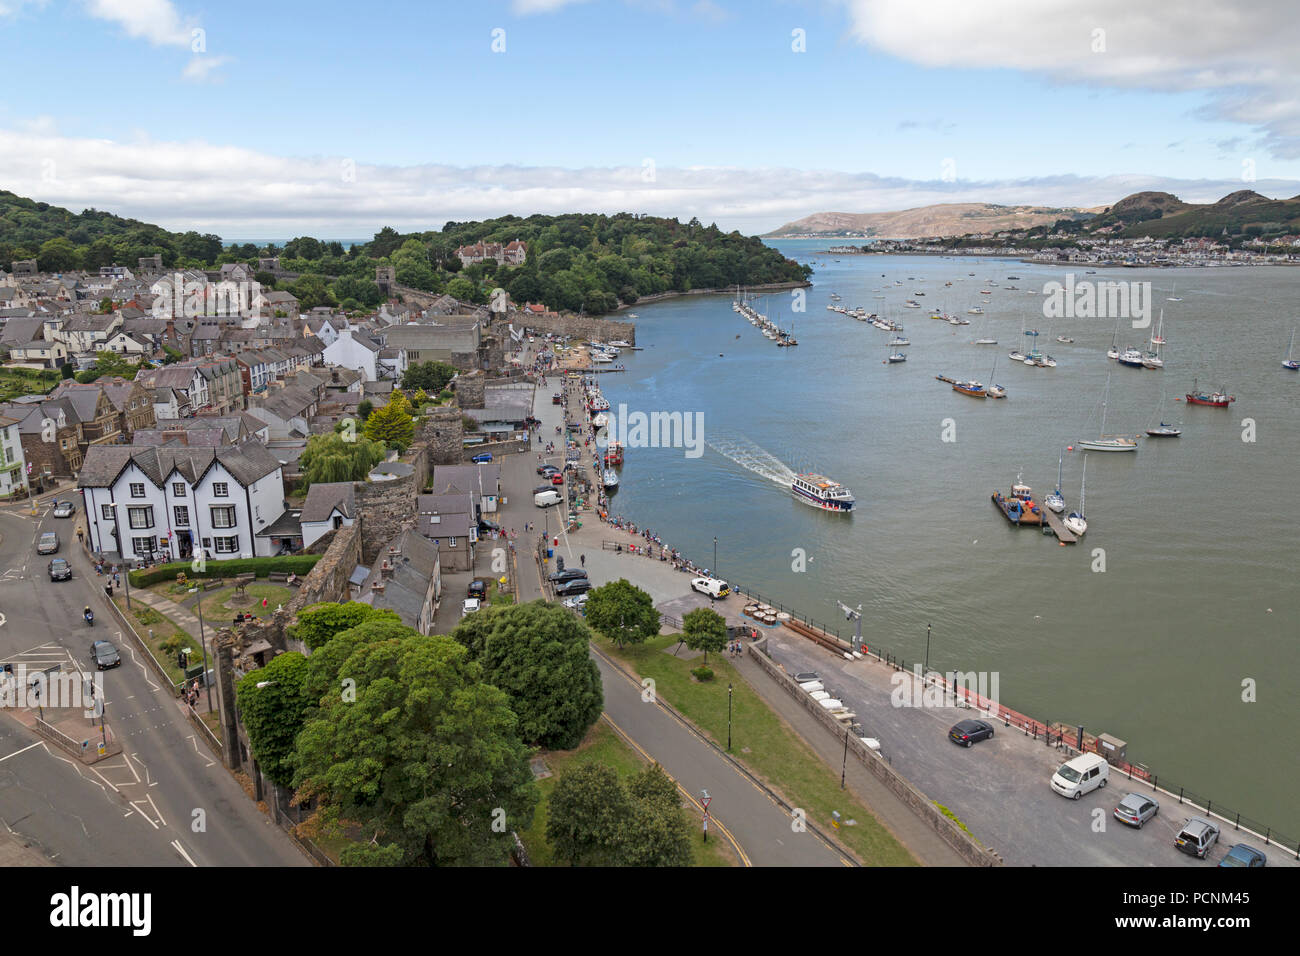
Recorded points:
(1197, 606)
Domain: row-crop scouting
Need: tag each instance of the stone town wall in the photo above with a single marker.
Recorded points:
(582, 327)
(470, 389)
(443, 435)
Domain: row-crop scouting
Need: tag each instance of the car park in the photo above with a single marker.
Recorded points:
(568, 574)
(968, 732)
(713, 587)
(1197, 836)
(105, 655)
(48, 543)
(477, 589)
(1136, 809)
(1084, 774)
(573, 587)
(482, 459)
(469, 606)
(64, 509)
(60, 570)
(1242, 855)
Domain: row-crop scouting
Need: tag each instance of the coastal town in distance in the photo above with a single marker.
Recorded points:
(905, 489)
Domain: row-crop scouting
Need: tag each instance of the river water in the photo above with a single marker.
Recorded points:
(1197, 604)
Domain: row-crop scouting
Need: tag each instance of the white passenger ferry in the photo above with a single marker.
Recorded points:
(820, 492)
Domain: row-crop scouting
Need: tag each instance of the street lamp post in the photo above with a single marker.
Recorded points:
(715, 555)
(853, 614)
(705, 800)
(203, 645)
(121, 550)
(728, 718)
(844, 767)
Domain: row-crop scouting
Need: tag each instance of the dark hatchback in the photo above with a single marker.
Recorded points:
(967, 732)
(570, 588)
(477, 589)
(60, 570)
(568, 574)
(105, 655)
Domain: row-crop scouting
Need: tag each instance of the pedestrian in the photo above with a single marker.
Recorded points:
(583, 559)
(117, 579)
(108, 590)
(81, 535)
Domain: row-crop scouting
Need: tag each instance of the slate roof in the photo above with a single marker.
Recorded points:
(322, 499)
(246, 463)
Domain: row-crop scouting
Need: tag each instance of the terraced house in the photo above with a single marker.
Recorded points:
(172, 502)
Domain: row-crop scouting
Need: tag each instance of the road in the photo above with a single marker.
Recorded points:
(999, 787)
(165, 800)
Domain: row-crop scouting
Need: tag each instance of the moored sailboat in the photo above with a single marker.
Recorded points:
(1104, 442)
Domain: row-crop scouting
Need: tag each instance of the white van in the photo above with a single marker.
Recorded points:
(1084, 774)
(713, 587)
(544, 499)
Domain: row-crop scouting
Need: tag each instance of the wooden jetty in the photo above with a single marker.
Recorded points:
(1063, 534)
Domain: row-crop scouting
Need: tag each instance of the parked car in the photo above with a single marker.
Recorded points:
(469, 606)
(568, 574)
(541, 488)
(547, 469)
(967, 732)
(60, 570)
(484, 525)
(48, 543)
(557, 399)
(482, 459)
(557, 478)
(572, 587)
(1242, 855)
(1084, 774)
(478, 589)
(64, 509)
(1136, 809)
(105, 655)
(577, 602)
(1196, 837)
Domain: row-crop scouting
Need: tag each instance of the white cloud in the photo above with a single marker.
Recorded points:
(157, 21)
(526, 7)
(201, 65)
(241, 193)
(1245, 58)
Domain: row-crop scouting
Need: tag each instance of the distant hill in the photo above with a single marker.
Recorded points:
(944, 219)
(1244, 211)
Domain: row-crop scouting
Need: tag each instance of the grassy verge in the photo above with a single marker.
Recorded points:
(496, 596)
(157, 630)
(763, 743)
(602, 745)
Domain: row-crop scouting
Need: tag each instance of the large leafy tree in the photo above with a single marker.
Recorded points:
(273, 713)
(657, 832)
(392, 424)
(704, 629)
(622, 612)
(586, 815)
(426, 758)
(108, 363)
(537, 653)
(333, 457)
(432, 377)
(325, 663)
(320, 622)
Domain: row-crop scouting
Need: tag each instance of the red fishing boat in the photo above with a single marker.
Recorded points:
(1215, 399)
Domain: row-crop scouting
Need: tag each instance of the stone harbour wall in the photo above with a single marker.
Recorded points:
(582, 327)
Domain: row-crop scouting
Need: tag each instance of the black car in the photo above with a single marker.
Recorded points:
(105, 655)
(60, 570)
(572, 587)
(966, 732)
(485, 526)
(568, 574)
(477, 589)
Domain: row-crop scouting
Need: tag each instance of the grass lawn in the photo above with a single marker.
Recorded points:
(146, 619)
(15, 382)
(218, 607)
(604, 745)
(763, 743)
(494, 594)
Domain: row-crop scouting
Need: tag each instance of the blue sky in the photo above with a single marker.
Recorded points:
(890, 104)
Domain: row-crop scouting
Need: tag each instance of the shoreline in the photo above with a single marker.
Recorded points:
(664, 296)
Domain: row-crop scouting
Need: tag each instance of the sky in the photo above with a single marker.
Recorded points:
(264, 121)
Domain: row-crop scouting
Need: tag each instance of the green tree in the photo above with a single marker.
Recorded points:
(461, 288)
(109, 363)
(392, 424)
(425, 758)
(364, 408)
(657, 831)
(621, 612)
(273, 714)
(332, 457)
(704, 629)
(430, 376)
(318, 623)
(586, 814)
(57, 255)
(538, 654)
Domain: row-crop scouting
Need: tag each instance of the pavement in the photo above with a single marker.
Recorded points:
(165, 800)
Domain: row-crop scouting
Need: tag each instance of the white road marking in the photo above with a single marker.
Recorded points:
(23, 751)
(155, 809)
(136, 804)
(181, 850)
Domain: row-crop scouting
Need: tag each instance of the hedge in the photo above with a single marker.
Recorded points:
(300, 564)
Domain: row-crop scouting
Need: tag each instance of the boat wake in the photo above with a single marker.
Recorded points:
(751, 457)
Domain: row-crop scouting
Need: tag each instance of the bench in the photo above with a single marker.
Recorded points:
(212, 584)
(282, 577)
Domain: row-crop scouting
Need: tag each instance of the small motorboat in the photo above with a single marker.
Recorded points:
(1065, 340)
(1164, 431)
